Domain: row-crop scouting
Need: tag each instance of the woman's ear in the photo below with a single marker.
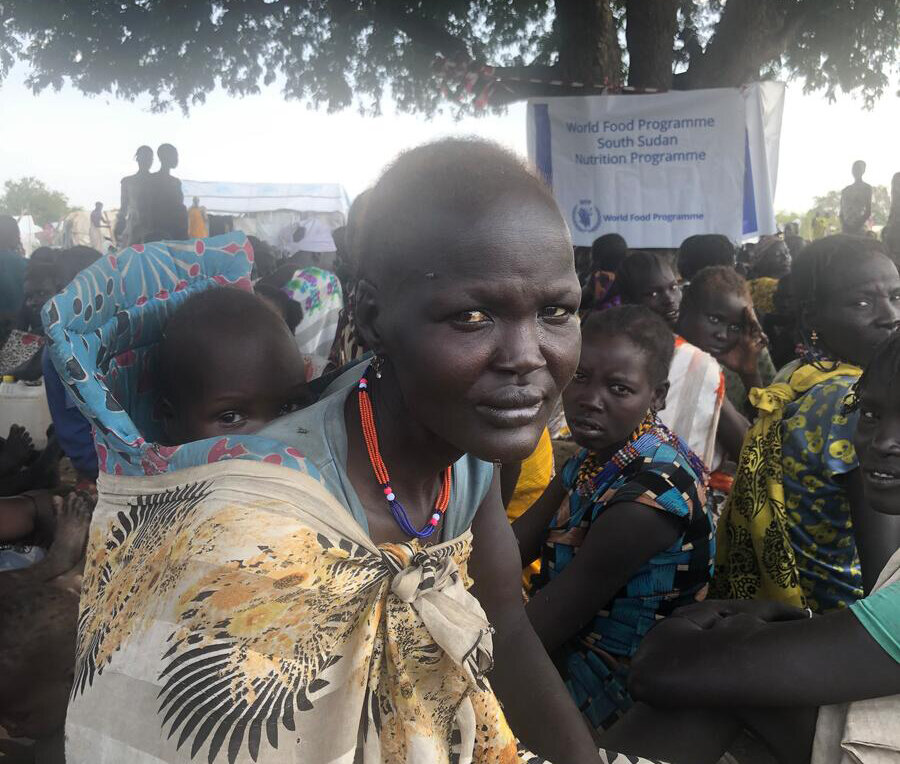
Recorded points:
(658, 399)
(166, 412)
(366, 313)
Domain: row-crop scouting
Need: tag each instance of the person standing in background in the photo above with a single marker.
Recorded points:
(856, 202)
(12, 272)
(100, 240)
(198, 222)
(132, 205)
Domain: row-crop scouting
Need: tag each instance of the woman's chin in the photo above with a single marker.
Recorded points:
(506, 446)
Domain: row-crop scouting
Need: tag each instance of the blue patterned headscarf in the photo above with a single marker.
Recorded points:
(103, 330)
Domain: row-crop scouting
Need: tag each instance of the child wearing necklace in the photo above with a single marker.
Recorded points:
(624, 532)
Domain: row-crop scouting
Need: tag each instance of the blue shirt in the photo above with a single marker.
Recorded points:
(73, 432)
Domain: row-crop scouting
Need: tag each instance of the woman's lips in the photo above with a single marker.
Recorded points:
(512, 407)
(882, 478)
(590, 428)
(509, 416)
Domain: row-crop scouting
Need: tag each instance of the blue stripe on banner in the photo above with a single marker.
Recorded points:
(750, 224)
(542, 155)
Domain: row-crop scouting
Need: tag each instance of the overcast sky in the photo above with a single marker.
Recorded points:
(82, 145)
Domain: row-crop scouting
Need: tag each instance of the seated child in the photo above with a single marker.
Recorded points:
(227, 365)
(697, 409)
(824, 689)
(38, 616)
(717, 316)
(630, 533)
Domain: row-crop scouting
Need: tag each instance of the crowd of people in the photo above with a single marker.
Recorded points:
(475, 495)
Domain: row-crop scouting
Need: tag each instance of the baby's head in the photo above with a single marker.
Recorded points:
(622, 374)
(227, 365)
(704, 250)
(714, 309)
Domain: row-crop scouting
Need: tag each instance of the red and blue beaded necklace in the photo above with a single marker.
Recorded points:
(370, 434)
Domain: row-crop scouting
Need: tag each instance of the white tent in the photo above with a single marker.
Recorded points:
(272, 211)
(28, 231)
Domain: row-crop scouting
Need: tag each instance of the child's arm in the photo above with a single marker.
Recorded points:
(537, 705)
(531, 527)
(620, 541)
(744, 661)
(732, 428)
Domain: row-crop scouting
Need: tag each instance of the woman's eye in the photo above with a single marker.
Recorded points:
(895, 297)
(472, 317)
(867, 415)
(580, 376)
(713, 319)
(232, 418)
(555, 311)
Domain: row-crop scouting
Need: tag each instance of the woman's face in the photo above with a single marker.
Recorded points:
(661, 293)
(877, 443)
(860, 311)
(480, 329)
(714, 322)
(610, 394)
(775, 262)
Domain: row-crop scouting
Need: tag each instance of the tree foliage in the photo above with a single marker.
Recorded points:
(337, 52)
(828, 208)
(31, 196)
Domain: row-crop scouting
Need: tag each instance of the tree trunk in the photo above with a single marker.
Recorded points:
(650, 27)
(750, 34)
(588, 46)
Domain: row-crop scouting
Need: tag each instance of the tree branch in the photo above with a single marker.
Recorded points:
(750, 34)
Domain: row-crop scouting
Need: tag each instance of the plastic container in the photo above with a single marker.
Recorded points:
(25, 405)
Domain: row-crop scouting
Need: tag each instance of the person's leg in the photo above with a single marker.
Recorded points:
(787, 732)
(73, 518)
(17, 517)
(676, 736)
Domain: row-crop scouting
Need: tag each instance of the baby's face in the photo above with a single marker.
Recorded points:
(241, 387)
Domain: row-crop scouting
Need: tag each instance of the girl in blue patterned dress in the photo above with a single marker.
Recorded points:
(624, 532)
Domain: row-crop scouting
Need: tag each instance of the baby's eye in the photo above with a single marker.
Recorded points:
(580, 376)
(861, 304)
(867, 415)
(713, 319)
(232, 418)
(619, 390)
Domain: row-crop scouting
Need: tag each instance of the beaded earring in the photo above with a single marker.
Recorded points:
(378, 365)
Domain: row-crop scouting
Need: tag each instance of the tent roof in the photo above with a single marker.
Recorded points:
(241, 198)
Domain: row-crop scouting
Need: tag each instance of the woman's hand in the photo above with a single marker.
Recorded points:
(744, 356)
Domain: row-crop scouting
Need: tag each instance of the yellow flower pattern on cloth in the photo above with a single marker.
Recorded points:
(252, 619)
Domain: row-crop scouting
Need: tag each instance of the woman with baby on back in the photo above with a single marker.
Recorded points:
(326, 615)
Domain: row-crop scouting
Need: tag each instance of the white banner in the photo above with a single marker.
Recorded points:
(655, 168)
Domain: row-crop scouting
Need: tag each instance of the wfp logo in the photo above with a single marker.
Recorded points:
(586, 216)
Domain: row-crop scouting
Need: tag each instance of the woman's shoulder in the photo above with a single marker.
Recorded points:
(664, 477)
(313, 429)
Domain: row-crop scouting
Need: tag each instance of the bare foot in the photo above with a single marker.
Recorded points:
(16, 451)
(73, 518)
